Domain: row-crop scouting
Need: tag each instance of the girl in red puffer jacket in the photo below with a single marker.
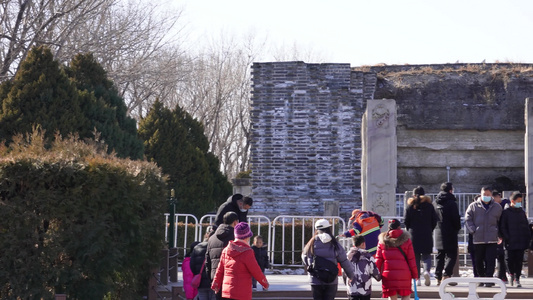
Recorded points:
(397, 270)
(237, 266)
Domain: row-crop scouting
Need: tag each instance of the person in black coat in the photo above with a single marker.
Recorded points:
(446, 233)
(197, 261)
(237, 204)
(514, 228)
(420, 219)
(223, 235)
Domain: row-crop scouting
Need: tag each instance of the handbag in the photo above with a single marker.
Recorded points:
(197, 279)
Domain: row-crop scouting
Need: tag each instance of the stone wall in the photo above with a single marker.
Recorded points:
(306, 130)
(306, 140)
(467, 117)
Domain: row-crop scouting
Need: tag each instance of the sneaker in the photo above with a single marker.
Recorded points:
(489, 284)
(451, 283)
(254, 289)
(427, 280)
(518, 285)
(419, 282)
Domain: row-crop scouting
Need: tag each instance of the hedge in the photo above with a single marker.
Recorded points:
(77, 221)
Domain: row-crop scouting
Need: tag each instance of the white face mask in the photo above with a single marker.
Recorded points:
(486, 199)
(243, 210)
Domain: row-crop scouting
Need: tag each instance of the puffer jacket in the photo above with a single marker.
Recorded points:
(449, 223)
(197, 260)
(482, 222)
(420, 222)
(216, 243)
(396, 271)
(235, 271)
(324, 248)
(514, 228)
(364, 268)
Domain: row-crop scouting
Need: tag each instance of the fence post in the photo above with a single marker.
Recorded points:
(152, 285)
(530, 263)
(173, 264)
(164, 267)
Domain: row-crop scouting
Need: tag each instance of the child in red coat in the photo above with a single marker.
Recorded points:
(237, 267)
(397, 269)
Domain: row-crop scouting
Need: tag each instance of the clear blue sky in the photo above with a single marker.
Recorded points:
(378, 31)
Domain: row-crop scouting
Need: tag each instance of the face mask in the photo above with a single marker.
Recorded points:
(486, 199)
(518, 204)
(243, 210)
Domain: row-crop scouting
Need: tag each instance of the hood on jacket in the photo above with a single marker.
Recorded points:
(223, 232)
(423, 199)
(443, 197)
(394, 238)
(236, 248)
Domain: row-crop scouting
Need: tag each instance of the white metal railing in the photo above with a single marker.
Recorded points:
(472, 286)
(286, 245)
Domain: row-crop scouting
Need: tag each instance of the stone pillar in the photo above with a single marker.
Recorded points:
(528, 156)
(379, 163)
(242, 186)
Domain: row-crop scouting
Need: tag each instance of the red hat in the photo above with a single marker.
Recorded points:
(355, 212)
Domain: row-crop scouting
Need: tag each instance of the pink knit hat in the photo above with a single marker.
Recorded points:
(242, 231)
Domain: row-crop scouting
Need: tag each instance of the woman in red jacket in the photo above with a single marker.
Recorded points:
(397, 269)
(237, 266)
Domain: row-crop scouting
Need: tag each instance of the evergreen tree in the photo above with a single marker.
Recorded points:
(40, 95)
(176, 142)
(107, 113)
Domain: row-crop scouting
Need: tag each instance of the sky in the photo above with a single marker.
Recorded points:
(370, 32)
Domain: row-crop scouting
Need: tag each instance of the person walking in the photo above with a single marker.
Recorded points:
(516, 234)
(481, 218)
(216, 244)
(446, 232)
(323, 244)
(365, 268)
(420, 219)
(395, 259)
(237, 266)
(198, 261)
(190, 291)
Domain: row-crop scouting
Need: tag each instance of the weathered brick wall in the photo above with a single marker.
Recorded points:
(306, 139)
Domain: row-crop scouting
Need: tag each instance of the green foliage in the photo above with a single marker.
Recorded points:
(244, 174)
(40, 94)
(106, 111)
(75, 99)
(176, 142)
(76, 220)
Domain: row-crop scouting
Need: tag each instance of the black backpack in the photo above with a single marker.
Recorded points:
(323, 269)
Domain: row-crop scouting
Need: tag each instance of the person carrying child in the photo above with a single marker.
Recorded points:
(367, 224)
(261, 255)
(360, 288)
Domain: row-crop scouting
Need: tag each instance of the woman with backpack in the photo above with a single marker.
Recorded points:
(322, 254)
(395, 260)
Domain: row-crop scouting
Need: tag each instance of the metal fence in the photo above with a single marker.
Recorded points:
(286, 235)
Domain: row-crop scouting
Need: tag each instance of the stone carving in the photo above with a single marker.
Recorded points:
(380, 115)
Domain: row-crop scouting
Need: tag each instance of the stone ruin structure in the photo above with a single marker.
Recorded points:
(325, 137)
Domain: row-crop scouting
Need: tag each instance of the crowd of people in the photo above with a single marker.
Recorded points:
(498, 229)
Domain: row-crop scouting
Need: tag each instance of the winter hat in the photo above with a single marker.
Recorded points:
(242, 231)
(394, 224)
(322, 224)
(354, 213)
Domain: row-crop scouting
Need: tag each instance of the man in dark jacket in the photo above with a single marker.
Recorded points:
(237, 204)
(218, 242)
(514, 228)
(446, 231)
(198, 260)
